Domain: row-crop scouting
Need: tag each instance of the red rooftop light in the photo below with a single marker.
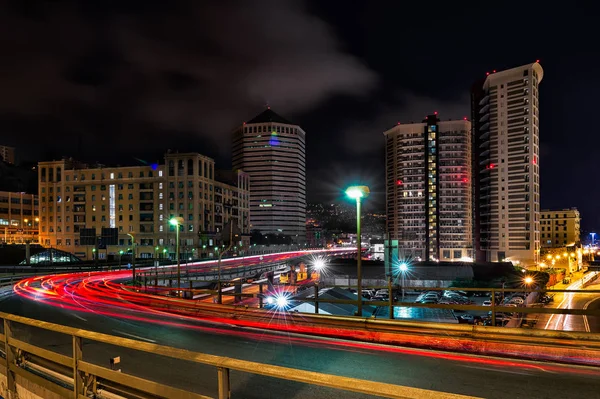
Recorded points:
(538, 61)
(435, 112)
(487, 74)
(399, 182)
(465, 118)
(494, 71)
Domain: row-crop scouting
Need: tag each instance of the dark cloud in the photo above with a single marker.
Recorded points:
(119, 74)
(406, 108)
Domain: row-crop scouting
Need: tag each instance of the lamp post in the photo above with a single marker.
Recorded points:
(528, 280)
(133, 255)
(403, 269)
(358, 193)
(120, 255)
(177, 221)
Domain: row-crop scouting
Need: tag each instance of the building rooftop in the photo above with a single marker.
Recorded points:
(269, 116)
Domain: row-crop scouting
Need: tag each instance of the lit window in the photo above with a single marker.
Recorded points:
(112, 175)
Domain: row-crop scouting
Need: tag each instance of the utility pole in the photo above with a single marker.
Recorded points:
(133, 255)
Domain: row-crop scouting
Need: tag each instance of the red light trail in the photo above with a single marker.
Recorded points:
(105, 293)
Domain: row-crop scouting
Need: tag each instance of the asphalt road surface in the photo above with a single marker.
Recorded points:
(570, 300)
(467, 375)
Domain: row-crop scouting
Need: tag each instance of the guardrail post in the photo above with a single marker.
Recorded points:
(390, 298)
(11, 385)
(260, 296)
(316, 298)
(219, 293)
(223, 376)
(77, 377)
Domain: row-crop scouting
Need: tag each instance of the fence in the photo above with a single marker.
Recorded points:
(72, 377)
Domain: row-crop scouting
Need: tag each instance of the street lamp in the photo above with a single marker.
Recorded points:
(133, 256)
(358, 193)
(177, 221)
(528, 280)
(403, 269)
(120, 255)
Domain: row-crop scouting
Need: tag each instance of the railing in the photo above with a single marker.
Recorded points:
(72, 377)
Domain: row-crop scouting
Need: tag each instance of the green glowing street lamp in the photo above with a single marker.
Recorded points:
(358, 193)
(177, 221)
(120, 255)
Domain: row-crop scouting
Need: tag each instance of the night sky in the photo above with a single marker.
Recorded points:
(112, 81)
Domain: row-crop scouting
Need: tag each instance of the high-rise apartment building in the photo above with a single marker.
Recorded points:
(140, 201)
(428, 194)
(7, 154)
(505, 115)
(272, 151)
(18, 217)
(560, 228)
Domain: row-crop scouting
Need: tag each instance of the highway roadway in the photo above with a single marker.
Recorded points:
(569, 300)
(463, 374)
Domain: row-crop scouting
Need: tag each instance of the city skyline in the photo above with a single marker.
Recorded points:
(116, 103)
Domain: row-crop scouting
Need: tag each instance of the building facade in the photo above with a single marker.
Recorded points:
(428, 195)
(7, 154)
(272, 151)
(18, 217)
(560, 228)
(139, 201)
(505, 114)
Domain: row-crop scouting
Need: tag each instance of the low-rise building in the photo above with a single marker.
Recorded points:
(18, 217)
(139, 201)
(560, 228)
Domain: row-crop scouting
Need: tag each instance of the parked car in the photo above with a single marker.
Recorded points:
(487, 303)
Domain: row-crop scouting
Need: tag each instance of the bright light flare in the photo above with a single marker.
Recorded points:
(281, 301)
(528, 280)
(319, 264)
(403, 267)
(356, 192)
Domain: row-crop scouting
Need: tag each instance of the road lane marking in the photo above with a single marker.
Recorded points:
(501, 370)
(585, 318)
(79, 317)
(135, 336)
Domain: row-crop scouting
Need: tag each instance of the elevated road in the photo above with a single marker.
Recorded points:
(444, 372)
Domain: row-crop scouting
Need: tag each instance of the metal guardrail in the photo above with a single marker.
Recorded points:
(77, 378)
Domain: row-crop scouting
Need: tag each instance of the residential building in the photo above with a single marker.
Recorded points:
(272, 151)
(139, 201)
(505, 114)
(7, 154)
(18, 217)
(560, 228)
(428, 194)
